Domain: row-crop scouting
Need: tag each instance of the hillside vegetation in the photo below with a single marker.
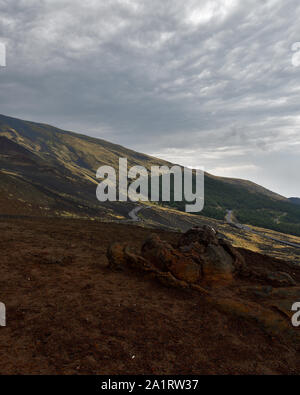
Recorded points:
(48, 171)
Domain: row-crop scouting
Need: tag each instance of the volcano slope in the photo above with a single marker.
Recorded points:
(46, 171)
(70, 312)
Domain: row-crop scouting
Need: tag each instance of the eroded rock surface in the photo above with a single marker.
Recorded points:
(202, 261)
(199, 257)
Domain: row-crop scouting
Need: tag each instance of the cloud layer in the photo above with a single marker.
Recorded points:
(212, 83)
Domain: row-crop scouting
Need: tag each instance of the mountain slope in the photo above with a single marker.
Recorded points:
(45, 170)
(294, 200)
(57, 169)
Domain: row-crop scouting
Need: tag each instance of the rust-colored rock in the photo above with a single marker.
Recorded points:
(218, 265)
(209, 265)
(159, 253)
(198, 258)
(116, 257)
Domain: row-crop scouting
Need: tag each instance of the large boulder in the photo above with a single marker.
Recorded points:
(198, 258)
(208, 264)
(204, 236)
(218, 265)
(166, 258)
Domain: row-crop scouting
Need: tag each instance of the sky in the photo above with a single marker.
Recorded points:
(210, 83)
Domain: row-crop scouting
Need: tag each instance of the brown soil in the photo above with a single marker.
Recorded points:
(67, 313)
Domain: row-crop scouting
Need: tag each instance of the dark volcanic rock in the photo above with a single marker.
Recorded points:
(199, 257)
(205, 236)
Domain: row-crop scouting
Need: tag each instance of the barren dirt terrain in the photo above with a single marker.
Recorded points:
(68, 313)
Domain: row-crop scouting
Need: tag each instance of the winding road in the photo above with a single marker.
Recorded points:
(133, 214)
(229, 220)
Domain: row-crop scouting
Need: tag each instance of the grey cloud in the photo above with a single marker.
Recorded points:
(170, 78)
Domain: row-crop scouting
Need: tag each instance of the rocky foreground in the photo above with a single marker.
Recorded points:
(206, 263)
(161, 303)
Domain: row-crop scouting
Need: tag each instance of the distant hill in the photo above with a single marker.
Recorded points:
(48, 171)
(294, 200)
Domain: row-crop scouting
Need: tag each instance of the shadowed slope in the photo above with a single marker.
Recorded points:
(62, 165)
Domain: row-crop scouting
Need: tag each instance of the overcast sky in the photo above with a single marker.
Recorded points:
(213, 83)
